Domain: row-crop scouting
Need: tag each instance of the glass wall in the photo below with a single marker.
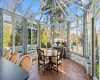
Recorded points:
(76, 37)
(43, 36)
(97, 46)
(29, 36)
(32, 37)
(18, 36)
(13, 33)
(80, 38)
(7, 36)
(60, 35)
(46, 36)
(73, 37)
(49, 37)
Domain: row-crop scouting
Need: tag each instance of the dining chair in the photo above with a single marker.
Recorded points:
(14, 57)
(7, 54)
(57, 60)
(26, 62)
(42, 60)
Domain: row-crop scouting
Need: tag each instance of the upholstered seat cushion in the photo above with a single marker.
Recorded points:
(42, 62)
(54, 60)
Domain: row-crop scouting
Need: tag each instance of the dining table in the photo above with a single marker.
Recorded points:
(11, 71)
(50, 53)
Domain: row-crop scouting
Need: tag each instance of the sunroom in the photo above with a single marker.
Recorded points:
(59, 39)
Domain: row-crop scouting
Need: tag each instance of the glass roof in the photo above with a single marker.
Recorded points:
(34, 9)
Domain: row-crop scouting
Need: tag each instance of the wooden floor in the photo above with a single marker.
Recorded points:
(70, 71)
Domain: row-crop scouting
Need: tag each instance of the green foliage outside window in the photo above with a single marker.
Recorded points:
(97, 70)
(18, 39)
(43, 38)
(97, 52)
(34, 37)
(29, 36)
(18, 35)
(7, 35)
(73, 44)
(80, 40)
(48, 44)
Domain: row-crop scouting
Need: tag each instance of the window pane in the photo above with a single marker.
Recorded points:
(60, 37)
(6, 17)
(73, 24)
(80, 40)
(43, 36)
(73, 37)
(97, 47)
(29, 36)
(34, 36)
(7, 36)
(18, 36)
(49, 37)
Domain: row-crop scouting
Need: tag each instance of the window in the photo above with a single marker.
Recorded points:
(80, 39)
(97, 47)
(73, 24)
(29, 36)
(49, 37)
(18, 36)
(73, 37)
(32, 36)
(46, 36)
(43, 36)
(60, 35)
(7, 37)
(76, 37)
(6, 17)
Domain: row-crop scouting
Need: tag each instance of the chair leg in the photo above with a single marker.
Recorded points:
(44, 68)
(57, 68)
(51, 67)
(38, 67)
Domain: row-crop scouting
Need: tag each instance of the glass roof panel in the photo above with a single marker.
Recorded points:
(70, 15)
(22, 8)
(76, 10)
(35, 6)
(6, 4)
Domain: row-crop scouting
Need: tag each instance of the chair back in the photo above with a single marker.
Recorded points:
(6, 55)
(14, 57)
(26, 62)
(60, 54)
(40, 54)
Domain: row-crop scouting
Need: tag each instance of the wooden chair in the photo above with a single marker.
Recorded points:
(7, 54)
(14, 57)
(26, 62)
(42, 60)
(56, 61)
